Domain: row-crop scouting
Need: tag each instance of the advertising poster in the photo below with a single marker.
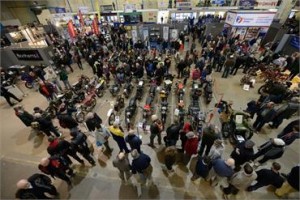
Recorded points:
(253, 19)
(295, 42)
(145, 33)
(246, 4)
(266, 3)
(174, 34)
(134, 36)
(166, 33)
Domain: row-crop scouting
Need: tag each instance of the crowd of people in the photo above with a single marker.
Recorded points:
(116, 58)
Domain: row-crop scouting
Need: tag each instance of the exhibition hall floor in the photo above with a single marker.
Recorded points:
(21, 152)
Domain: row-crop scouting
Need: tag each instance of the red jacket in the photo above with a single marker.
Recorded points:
(191, 146)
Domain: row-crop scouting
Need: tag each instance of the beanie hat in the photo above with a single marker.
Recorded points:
(190, 135)
(278, 142)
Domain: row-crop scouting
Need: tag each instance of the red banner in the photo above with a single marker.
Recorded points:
(95, 26)
(71, 29)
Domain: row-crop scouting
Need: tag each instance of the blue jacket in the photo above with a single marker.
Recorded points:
(140, 163)
(222, 169)
(202, 169)
(134, 141)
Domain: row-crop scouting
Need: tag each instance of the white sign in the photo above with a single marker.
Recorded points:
(129, 7)
(183, 5)
(266, 3)
(174, 34)
(230, 18)
(166, 32)
(251, 19)
(134, 36)
(83, 9)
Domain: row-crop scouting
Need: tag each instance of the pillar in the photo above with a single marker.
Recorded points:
(284, 10)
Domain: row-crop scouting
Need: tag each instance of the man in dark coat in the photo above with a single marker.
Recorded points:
(93, 121)
(267, 177)
(291, 184)
(290, 133)
(173, 132)
(134, 141)
(46, 126)
(79, 143)
(23, 115)
(67, 121)
(208, 138)
(37, 186)
(7, 95)
(243, 152)
(284, 112)
(266, 114)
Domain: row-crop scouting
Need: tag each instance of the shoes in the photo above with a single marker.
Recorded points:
(20, 100)
(151, 145)
(271, 126)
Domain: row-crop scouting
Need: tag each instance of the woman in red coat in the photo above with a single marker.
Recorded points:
(191, 147)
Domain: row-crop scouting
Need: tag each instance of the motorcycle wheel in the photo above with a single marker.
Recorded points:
(111, 119)
(80, 117)
(99, 93)
(93, 104)
(29, 85)
(262, 89)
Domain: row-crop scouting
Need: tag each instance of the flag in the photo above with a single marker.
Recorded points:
(71, 29)
(95, 26)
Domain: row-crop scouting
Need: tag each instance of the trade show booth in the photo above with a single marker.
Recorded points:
(248, 24)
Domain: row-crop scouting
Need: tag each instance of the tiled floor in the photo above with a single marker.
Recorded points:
(20, 154)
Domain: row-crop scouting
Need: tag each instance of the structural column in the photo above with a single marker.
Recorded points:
(284, 10)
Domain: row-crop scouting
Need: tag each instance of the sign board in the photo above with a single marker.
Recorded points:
(174, 34)
(266, 3)
(184, 5)
(166, 33)
(106, 8)
(145, 33)
(134, 36)
(129, 7)
(250, 19)
(83, 9)
(295, 42)
(28, 55)
(246, 4)
(218, 2)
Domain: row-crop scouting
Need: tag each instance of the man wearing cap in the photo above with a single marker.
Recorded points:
(155, 130)
(221, 169)
(272, 149)
(122, 164)
(141, 164)
(118, 135)
(243, 152)
(37, 186)
(134, 141)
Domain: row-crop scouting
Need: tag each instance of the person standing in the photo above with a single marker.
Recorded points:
(190, 147)
(229, 63)
(216, 150)
(265, 115)
(208, 139)
(141, 164)
(290, 133)
(291, 184)
(102, 135)
(118, 135)
(122, 164)
(155, 130)
(221, 169)
(47, 90)
(240, 180)
(134, 141)
(67, 121)
(242, 153)
(93, 121)
(23, 115)
(79, 143)
(37, 186)
(267, 177)
(7, 95)
(202, 168)
(52, 78)
(170, 158)
(45, 125)
(77, 59)
(172, 134)
(63, 76)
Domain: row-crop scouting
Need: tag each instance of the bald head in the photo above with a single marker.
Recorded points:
(23, 184)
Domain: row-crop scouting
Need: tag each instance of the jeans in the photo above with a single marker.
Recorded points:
(67, 84)
(226, 72)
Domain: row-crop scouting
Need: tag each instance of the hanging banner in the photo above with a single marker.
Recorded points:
(95, 25)
(71, 29)
(134, 36)
(83, 9)
(295, 42)
(266, 3)
(250, 19)
(174, 34)
(145, 33)
(166, 33)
